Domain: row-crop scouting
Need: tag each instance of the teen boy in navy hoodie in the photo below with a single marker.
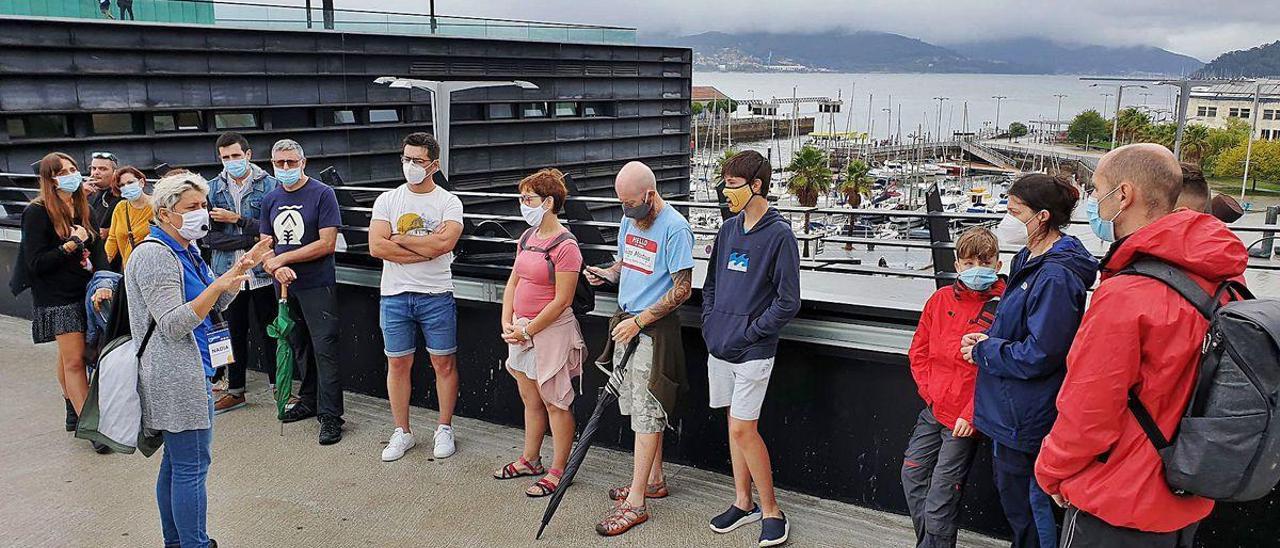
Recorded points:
(752, 289)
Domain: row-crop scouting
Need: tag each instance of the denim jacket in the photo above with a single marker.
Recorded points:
(97, 324)
(225, 239)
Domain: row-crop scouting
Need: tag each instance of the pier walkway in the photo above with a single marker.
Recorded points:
(268, 490)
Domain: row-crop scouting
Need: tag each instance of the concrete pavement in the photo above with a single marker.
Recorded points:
(270, 490)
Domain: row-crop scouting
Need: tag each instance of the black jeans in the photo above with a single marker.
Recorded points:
(1081, 529)
(250, 313)
(934, 468)
(315, 345)
(126, 8)
(1027, 508)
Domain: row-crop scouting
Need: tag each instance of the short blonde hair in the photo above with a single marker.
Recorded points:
(977, 243)
(169, 190)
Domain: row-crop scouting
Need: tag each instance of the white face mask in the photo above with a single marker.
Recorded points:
(195, 224)
(414, 174)
(1011, 231)
(533, 214)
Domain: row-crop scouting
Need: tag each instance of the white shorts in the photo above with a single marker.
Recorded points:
(739, 386)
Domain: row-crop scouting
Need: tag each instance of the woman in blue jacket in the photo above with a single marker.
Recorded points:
(1022, 358)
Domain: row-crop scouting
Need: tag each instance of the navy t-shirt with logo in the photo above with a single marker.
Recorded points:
(294, 219)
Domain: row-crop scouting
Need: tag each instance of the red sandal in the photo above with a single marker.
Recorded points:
(621, 519)
(545, 486)
(512, 469)
(651, 491)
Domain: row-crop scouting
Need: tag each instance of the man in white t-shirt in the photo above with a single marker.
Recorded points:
(414, 230)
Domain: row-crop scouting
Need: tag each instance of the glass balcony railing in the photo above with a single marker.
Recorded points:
(271, 17)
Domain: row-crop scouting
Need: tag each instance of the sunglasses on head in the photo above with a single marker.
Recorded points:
(104, 156)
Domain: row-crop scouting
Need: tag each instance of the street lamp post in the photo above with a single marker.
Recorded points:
(998, 98)
(1106, 100)
(441, 95)
(1115, 121)
(1057, 121)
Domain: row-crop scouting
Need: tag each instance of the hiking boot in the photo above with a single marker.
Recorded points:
(297, 413)
(72, 419)
(734, 518)
(227, 402)
(330, 430)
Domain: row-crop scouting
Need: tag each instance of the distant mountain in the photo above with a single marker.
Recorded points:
(1259, 62)
(851, 51)
(1048, 57)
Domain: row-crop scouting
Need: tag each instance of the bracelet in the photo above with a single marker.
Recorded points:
(639, 323)
(524, 332)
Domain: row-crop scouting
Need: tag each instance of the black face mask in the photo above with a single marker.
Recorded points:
(641, 211)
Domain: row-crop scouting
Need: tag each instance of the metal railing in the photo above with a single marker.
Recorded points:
(253, 15)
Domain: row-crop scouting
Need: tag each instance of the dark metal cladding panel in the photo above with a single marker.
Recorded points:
(17, 94)
(110, 62)
(255, 63)
(112, 94)
(294, 91)
(238, 91)
(21, 61)
(179, 92)
(162, 61)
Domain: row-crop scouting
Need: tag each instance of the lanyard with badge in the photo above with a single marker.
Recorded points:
(219, 335)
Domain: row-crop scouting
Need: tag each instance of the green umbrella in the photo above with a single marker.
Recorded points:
(279, 329)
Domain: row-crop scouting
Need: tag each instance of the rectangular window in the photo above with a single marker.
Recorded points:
(501, 111)
(38, 126)
(384, 116)
(235, 120)
(1238, 112)
(1271, 114)
(288, 118)
(343, 117)
(1202, 111)
(533, 110)
(177, 121)
(463, 112)
(592, 110)
(419, 113)
(567, 110)
(116, 123)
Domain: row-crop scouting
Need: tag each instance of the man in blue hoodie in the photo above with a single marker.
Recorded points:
(751, 291)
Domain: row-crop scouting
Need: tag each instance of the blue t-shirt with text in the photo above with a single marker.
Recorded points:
(650, 256)
(294, 219)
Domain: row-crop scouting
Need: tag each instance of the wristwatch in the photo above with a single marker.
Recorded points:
(524, 332)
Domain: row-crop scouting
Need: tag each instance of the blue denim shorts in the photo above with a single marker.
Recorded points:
(402, 316)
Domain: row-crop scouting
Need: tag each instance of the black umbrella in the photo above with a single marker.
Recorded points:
(608, 395)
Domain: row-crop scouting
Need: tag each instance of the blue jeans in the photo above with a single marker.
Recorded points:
(180, 489)
(1027, 507)
(402, 316)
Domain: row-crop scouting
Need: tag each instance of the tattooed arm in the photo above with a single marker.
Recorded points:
(682, 287)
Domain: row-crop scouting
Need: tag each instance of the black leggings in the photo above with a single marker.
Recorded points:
(250, 313)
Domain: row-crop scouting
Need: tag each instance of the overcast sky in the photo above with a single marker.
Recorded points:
(1199, 28)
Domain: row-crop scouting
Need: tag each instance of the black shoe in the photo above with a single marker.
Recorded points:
(72, 419)
(100, 448)
(213, 543)
(774, 531)
(734, 518)
(330, 430)
(297, 413)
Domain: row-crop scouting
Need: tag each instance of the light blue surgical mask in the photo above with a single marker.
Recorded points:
(236, 168)
(979, 278)
(288, 176)
(131, 191)
(1102, 228)
(70, 182)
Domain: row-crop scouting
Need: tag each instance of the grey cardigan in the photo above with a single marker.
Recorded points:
(171, 381)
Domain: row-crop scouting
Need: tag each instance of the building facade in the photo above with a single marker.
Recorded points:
(1214, 106)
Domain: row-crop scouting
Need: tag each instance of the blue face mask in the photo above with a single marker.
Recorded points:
(1102, 228)
(288, 176)
(131, 191)
(979, 278)
(236, 168)
(70, 182)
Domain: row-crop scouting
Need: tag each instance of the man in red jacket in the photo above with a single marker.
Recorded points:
(1137, 334)
(943, 442)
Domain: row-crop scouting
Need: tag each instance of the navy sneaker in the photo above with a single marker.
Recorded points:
(734, 518)
(774, 531)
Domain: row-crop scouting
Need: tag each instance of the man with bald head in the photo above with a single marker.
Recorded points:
(654, 273)
(1137, 351)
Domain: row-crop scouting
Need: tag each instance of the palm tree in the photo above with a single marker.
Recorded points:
(810, 176)
(856, 182)
(1195, 137)
(724, 157)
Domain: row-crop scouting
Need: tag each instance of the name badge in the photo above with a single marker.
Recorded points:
(640, 254)
(220, 345)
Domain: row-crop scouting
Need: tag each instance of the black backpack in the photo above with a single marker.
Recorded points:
(584, 298)
(1227, 445)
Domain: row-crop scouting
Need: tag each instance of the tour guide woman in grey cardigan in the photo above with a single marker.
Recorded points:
(171, 286)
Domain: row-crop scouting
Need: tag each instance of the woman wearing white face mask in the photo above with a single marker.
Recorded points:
(544, 338)
(131, 219)
(173, 301)
(1022, 357)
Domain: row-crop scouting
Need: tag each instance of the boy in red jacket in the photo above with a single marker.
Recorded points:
(943, 442)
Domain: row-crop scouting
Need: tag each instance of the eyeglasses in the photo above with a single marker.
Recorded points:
(286, 164)
(531, 199)
(420, 162)
(104, 156)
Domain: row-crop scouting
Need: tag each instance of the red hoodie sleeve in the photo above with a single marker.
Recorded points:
(919, 351)
(1101, 368)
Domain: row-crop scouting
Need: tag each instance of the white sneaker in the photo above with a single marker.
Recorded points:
(444, 442)
(401, 441)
